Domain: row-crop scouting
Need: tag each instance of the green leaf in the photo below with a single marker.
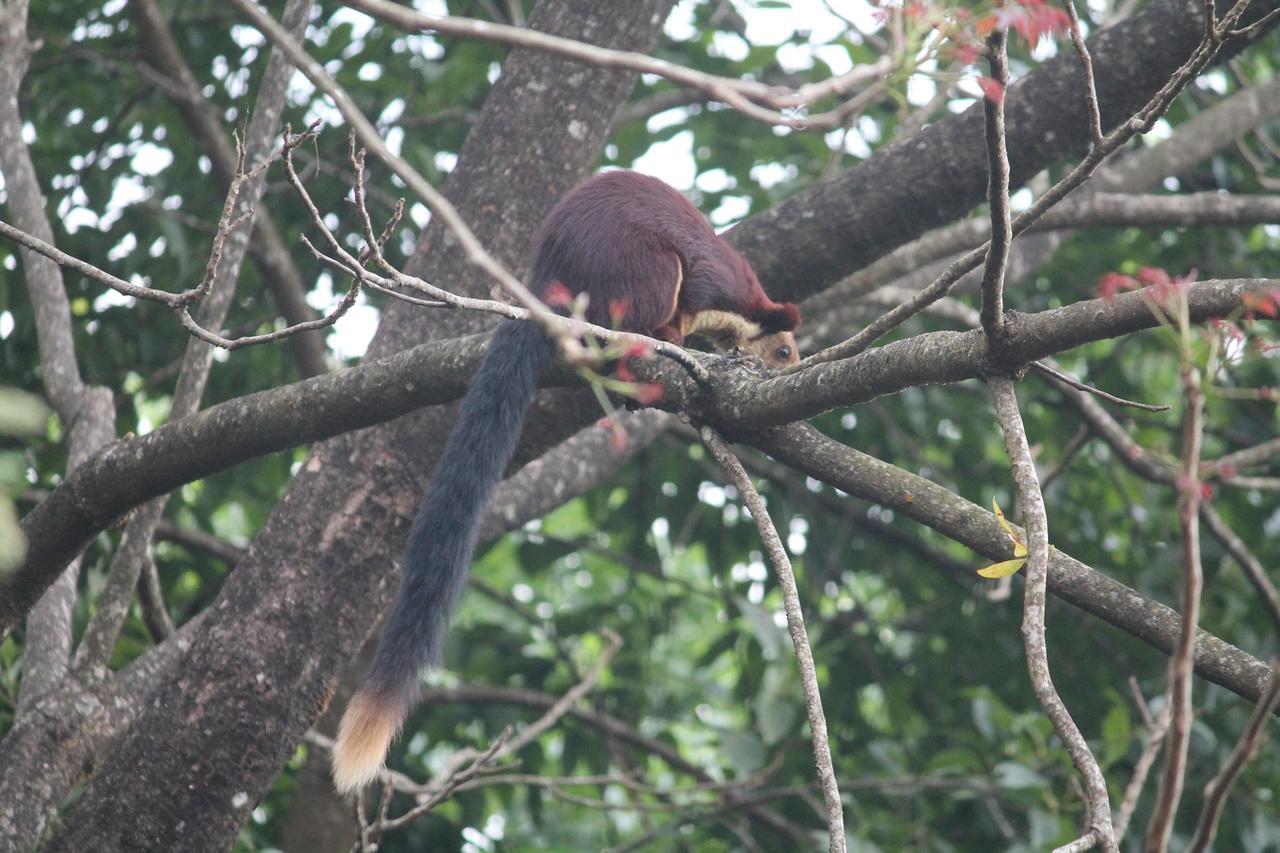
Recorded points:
(1117, 734)
(1010, 774)
(22, 413)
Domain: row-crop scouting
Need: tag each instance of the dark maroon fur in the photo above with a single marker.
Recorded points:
(618, 237)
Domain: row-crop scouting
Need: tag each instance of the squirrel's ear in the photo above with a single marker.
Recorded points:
(784, 318)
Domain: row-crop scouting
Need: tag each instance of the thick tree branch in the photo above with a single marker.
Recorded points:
(1138, 171)
(334, 535)
(941, 357)
(136, 469)
(817, 237)
(1140, 121)
(863, 476)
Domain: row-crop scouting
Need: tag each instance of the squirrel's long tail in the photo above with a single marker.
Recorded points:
(441, 541)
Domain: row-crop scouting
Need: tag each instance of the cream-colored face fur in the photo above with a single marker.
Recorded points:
(778, 350)
(728, 331)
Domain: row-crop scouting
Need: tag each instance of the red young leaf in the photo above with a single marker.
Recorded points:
(1148, 276)
(618, 309)
(1042, 20)
(1229, 331)
(618, 440)
(1162, 288)
(1258, 303)
(915, 9)
(648, 393)
(967, 53)
(991, 89)
(557, 295)
(1113, 282)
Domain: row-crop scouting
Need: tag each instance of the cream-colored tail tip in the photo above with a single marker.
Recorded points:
(366, 731)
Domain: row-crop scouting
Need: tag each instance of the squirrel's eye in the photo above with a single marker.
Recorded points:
(784, 352)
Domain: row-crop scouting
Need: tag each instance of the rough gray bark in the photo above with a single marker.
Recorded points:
(67, 716)
(318, 492)
(221, 728)
(811, 240)
(134, 470)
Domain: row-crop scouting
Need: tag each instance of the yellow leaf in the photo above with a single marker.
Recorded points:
(1002, 570)
(1000, 518)
(1019, 549)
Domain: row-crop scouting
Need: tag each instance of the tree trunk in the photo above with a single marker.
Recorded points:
(311, 586)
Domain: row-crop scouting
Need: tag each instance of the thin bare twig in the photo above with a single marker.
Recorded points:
(761, 101)
(180, 302)
(447, 781)
(151, 599)
(608, 727)
(1251, 740)
(1088, 841)
(795, 625)
(1049, 370)
(1140, 122)
(468, 764)
(482, 763)
(1253, 568)
(997, 192)
(1266, 484)
(564, 329)
(368, 136)
(1258, 454)
(1035, 520)
(1077, 443)
(164, 65)
(1182, 662)
(582, 688)
(564, 332)
(1157, 729)
(230, 243)
(1257, 26)
(1086, 62)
